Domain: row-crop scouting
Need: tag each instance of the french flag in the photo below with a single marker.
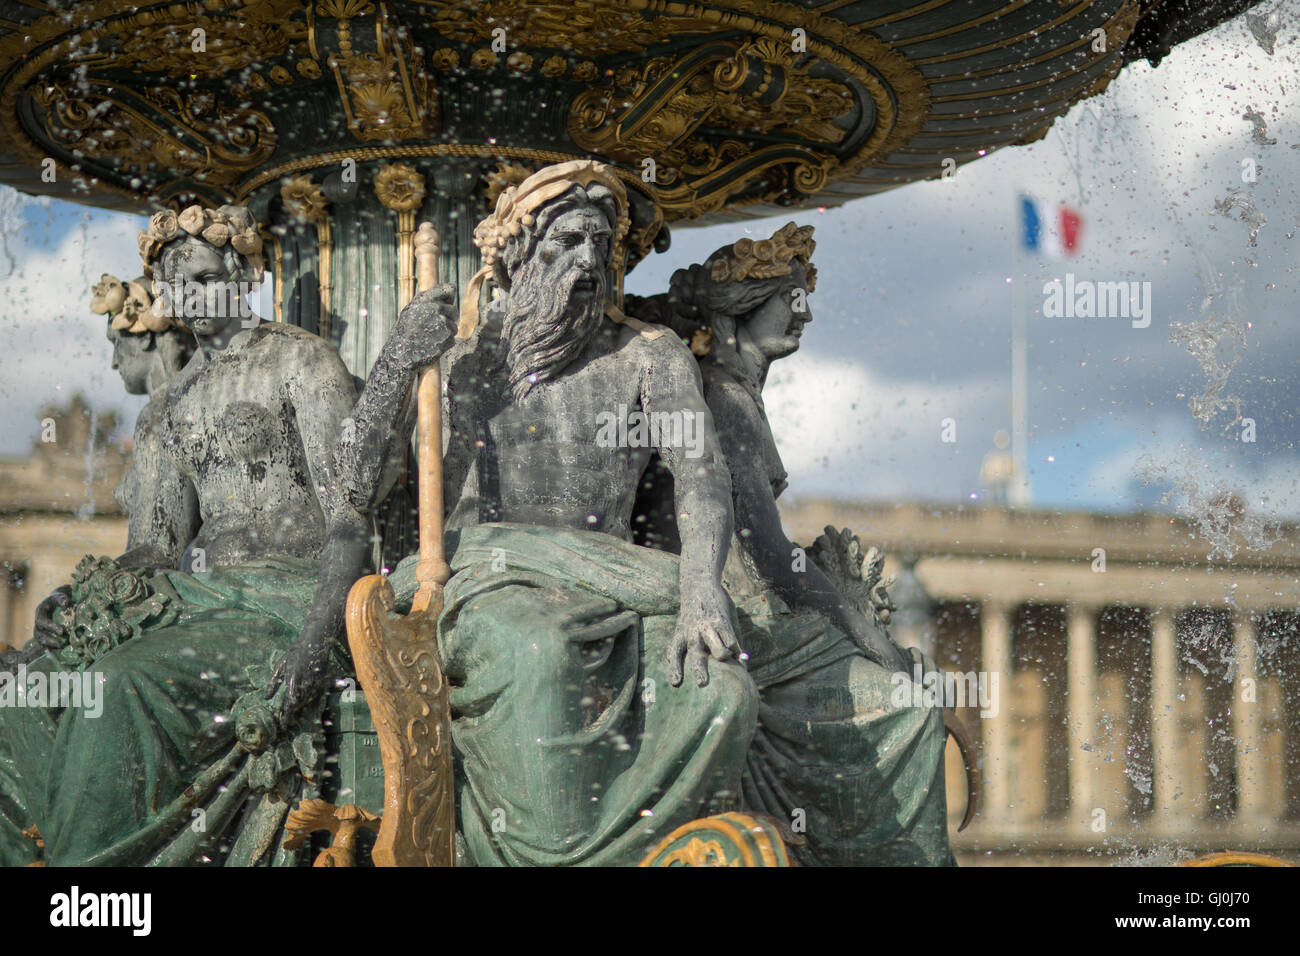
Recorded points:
(1049, 229)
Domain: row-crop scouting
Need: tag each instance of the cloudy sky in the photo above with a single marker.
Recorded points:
(912, 313)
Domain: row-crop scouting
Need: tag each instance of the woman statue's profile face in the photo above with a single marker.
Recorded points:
(776, 326)
(208, 301)
(132, 358)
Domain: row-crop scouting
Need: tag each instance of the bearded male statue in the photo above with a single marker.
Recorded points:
(579, 737)
(566, 646)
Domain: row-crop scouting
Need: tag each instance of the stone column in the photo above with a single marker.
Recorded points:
(1081, 710)
(995, 658)
(1247, 723)
(1164, 718)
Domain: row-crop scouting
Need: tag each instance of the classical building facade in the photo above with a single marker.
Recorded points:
(1147, 701)
(56, 505)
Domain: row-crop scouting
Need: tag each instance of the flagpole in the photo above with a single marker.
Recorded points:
(1018, 496)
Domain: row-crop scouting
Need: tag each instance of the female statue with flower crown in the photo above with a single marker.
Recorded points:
(230, 526)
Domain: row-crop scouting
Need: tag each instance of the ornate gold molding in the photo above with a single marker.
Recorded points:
(162, 39)
(202, 138)
(397, 663)
(583, 28)
(778, 135)
(382, 85)
(400, 187)
(728, 839)
(306, 202)
(344, 824)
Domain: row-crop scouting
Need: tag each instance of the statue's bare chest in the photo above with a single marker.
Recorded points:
(229, 414)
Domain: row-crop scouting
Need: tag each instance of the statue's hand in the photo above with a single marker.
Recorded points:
(304, 672)
(49, 634)
(876, 643)
(703, 630)
(11, 660)
(426, 327)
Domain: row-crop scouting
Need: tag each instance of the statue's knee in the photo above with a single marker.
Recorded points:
(734, 694)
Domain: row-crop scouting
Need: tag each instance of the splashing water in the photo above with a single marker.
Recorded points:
(1218, 513)
(1247, 213)
(1217, 344)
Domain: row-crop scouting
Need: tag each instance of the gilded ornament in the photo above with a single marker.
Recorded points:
(554, 66)
(304, 199)
(766, 258)
(344, 9)
(504, 176)
(384, 91)
(483, 59)
(400, 187)
(586, 28)
(445, 59)
(697, 852)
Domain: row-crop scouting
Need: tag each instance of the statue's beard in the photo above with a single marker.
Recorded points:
(545, 327)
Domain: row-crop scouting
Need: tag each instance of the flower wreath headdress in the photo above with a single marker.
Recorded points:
(229, 224)
(766, 258)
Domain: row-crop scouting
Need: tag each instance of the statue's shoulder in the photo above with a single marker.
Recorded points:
(282, 337)
(283, 332)
(657, 341)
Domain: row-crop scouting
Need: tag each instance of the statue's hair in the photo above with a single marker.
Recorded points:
(230, 229)
(701, 301)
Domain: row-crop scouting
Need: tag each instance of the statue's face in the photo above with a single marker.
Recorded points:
(132, 359)
(214, 313)
(557, 298)
(577, 245)
(777, 325)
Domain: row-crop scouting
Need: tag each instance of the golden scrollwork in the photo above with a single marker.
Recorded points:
(228, 43)
(583, 27)
(700, 853)
(194, 135)
(657, 109)
(727, 839)
(762, 123)
(397, 663)
(400, 187)
(384, 91)
(304, 200)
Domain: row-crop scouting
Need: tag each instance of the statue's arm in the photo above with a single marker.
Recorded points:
(763, 539)
(384, 417)
(702, 488)
(349, 467)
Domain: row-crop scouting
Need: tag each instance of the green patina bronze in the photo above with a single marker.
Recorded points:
(181, 725)
(804, 732)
